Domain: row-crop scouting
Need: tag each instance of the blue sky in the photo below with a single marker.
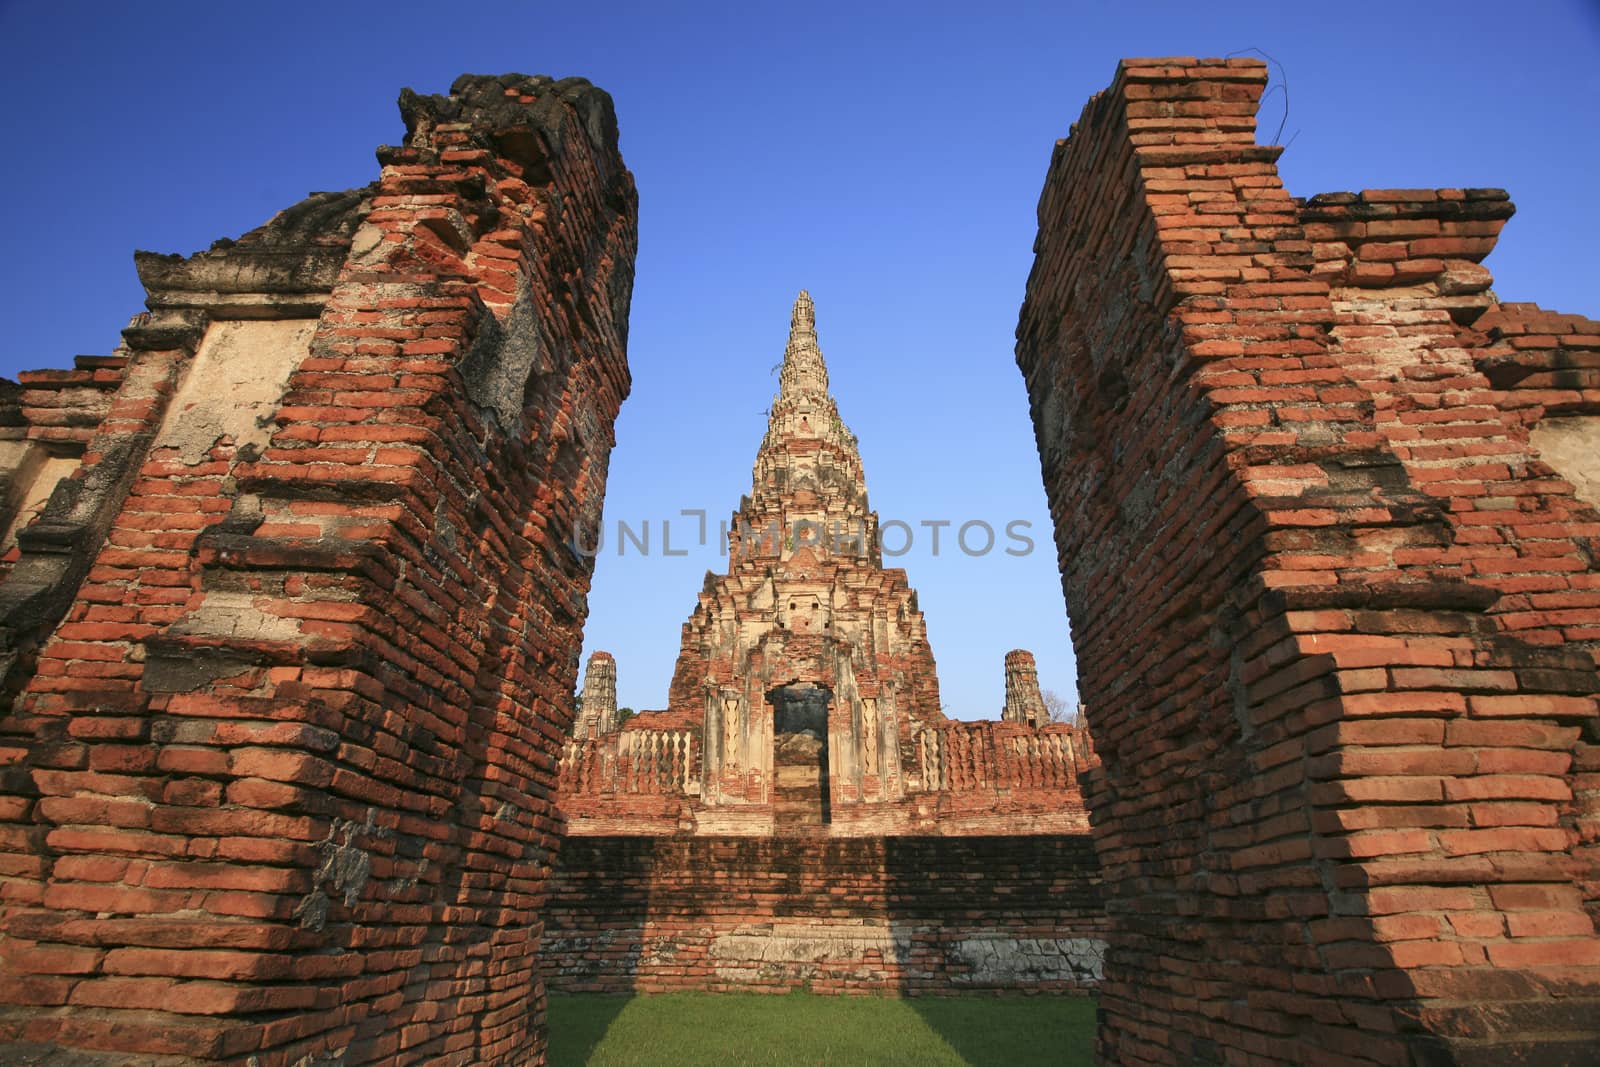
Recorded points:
(887, 157)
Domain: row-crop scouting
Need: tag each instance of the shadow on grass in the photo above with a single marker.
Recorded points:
(1012, 1031)
(579, 1023)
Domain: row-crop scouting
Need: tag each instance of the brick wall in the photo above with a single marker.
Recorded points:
(293, 651)
(909, 915)
(1334, 617)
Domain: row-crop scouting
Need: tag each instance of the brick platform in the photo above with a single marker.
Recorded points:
(899, 915)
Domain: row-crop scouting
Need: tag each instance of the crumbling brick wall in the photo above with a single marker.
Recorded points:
(897, 915)
(1335, 617)
(291, 651)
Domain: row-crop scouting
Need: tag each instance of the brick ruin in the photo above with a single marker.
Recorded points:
(291, 640)
(788, 819)
(1335, 603)
(289, 623)
(877, 914)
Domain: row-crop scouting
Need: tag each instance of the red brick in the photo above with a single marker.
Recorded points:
(1538, 953)
(280, 766)
(29, 958)
(1549, 924)
(1478, 925)
(197, 963)
(1535, 897)
(1507, 839)
(1507, 787)
(1535, 706)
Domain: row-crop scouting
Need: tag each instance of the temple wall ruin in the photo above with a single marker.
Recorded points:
(289, 652)
(1335, 618)
(881, 915)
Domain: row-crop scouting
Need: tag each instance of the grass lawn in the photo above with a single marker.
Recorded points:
(691, 1029)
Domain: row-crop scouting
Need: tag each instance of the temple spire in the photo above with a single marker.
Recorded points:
(803, 369)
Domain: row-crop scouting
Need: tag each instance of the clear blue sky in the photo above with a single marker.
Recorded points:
(887, 157)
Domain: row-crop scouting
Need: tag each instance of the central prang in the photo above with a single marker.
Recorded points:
(810, 652)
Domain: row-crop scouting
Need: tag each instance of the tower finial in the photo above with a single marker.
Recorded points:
(803, 319)
(803, 369)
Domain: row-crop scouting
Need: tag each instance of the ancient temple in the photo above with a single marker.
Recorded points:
(805, 697)
(285, 671)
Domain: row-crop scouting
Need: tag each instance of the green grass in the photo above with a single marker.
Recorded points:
(691, 1029)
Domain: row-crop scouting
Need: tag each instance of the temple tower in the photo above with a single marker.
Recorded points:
(1024, 701)
(806, 615)
(805, 701)
(809, 490)
(599, 712)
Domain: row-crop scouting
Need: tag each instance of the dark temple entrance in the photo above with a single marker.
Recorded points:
(800, 798)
